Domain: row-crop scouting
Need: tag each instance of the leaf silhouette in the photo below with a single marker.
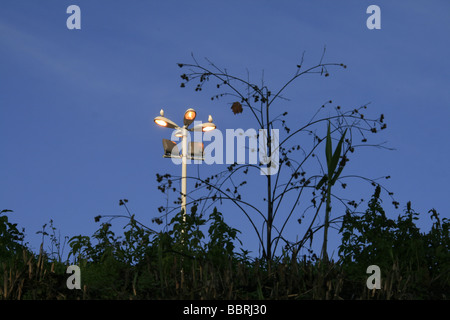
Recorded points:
(236, 107)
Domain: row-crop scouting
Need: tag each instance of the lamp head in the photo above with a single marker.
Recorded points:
(179, 133)
(189, 116)
(204, 127)
(164, 122)
(208, 127)
(160, 122)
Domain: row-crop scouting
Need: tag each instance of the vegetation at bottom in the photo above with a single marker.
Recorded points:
(197, 258)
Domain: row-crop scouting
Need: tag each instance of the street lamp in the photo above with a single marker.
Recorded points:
(171, 149)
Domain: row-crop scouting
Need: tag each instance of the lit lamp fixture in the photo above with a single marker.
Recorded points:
(179, 133)
(205, 127)
(164, 122)
(189, 116)
(195, 149)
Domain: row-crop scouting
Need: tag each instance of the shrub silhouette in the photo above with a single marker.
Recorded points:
(196, 258)
(417, 264)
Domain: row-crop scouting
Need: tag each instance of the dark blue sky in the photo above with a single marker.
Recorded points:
(76, 106)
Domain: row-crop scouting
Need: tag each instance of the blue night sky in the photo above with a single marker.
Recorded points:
(77, 106)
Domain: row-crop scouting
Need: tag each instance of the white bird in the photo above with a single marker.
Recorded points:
(161, 113)
(210, 119)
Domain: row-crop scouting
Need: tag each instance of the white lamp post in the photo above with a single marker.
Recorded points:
(182, 132)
